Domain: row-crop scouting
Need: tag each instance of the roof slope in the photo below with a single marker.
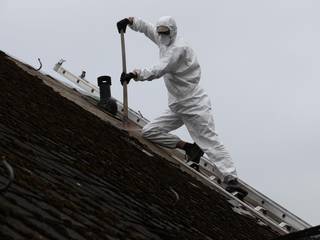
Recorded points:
(307, 234)
(78, 177)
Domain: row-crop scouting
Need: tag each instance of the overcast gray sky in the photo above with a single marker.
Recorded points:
(260, 66)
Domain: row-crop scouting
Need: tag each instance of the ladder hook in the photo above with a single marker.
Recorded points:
(40, 65)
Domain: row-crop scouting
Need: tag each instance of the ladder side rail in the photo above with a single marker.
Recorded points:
(280, 212)
(260, 199)
(213, 185)
(253, 194)
(92, 89)
(134, 116)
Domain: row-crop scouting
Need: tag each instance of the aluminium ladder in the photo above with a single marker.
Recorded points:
(265, 210)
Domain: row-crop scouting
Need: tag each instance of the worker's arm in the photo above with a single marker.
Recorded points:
(148, 29)
(168, 63)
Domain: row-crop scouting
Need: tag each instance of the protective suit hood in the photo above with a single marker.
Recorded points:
(169, 22)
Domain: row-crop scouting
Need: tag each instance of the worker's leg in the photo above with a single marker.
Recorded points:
(202, 130)
(158, 130)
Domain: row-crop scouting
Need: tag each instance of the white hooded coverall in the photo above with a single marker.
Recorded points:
(188, 102)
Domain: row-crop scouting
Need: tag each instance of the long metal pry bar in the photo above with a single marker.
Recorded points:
(125, 87)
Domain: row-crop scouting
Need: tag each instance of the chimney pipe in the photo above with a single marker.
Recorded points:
(106, 101)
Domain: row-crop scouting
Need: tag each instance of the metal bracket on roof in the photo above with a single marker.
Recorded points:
(59, 64)
(141, 116)
(177, 198)
(61, 61)
(83, 75)
(11, 176)
(39, 60)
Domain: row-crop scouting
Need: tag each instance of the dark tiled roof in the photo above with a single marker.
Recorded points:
(78, 177)
(308, 234)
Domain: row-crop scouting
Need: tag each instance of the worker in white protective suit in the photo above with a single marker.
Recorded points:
(188, 102)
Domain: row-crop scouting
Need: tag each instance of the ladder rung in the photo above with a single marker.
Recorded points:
(212, 178)
(190, 163)
(261, 209)
(235, 193)
(285, 225)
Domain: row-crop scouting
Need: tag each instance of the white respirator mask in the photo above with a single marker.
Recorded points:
(165, 39)
(164, 35)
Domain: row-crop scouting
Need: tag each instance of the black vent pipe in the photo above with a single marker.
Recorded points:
(106, 101)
